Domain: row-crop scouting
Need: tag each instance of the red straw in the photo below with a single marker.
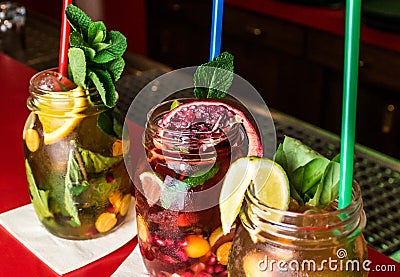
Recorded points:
(63, 54)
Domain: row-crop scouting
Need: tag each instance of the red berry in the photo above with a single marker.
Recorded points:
(110, 178)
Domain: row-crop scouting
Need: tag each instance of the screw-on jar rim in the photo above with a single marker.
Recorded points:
(262, 220)
(59, 99)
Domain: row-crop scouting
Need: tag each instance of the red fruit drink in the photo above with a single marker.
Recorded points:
(189, 150)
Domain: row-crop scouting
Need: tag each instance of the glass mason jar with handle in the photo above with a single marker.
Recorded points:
(271, 242)
(78, 182)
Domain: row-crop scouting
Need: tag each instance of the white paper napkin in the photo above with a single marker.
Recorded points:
(132, 266)
(59, 254)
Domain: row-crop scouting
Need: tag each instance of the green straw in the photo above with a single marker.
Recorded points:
(350, 77)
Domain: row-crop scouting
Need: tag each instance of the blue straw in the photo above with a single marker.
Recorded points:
(216, 28)
(352, 42)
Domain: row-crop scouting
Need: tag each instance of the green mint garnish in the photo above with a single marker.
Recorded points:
(95, 55)
(111, 122)
(314, 179)
(200, 178)
(213, 79)
(39, 197)
(174, 104)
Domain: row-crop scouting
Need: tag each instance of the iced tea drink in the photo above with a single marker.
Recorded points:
(189, 149)
(77, 178)
(303, 241)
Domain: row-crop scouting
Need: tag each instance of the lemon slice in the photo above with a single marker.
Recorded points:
(271, 187)
(64, 110)
(152, 186)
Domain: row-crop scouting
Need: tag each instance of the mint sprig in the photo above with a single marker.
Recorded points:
(213, 79)
(95, 55)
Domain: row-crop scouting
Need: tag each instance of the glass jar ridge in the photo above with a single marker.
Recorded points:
(267, 223)
(304, 242)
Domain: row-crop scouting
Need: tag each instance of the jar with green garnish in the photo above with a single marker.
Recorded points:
(73, 146)
(309, 236)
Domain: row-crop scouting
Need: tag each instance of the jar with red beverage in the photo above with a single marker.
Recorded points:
(177, 197)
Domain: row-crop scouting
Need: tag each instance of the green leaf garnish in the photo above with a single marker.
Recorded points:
(38, 197)
(79, 20)
(77, 66)
(73, 179)
(213, 79)
(314, 179)
(96, 33)
(96, 163)
(102, 52)
(201, 177)
(111, 122)
(174, 104)
(105, 86)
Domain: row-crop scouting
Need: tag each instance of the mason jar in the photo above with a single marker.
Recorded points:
(327, 242)
(77, 179)
(177, 195)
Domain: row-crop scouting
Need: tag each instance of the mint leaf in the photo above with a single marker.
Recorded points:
(213, 79)
(104, 85)
(73, 178)
(97, 32)
(117, 46)
(104, 56)
(100, 46)
(79, 20)
(102, 51)
(38, 197)
(96, 163)
(111, 122)
(115, 68)
(77, 65)
(76, 40)
(117, 42)
(200, 178)
(174, 104)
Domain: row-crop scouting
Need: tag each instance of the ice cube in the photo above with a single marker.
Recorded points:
(53, 81)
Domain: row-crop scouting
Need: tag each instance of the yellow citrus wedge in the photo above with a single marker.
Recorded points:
(59, 114)
(152, 186)
(270, 184)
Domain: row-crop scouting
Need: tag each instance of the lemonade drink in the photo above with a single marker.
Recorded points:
(290, 223)
(77, 179)
(310, 242)
(78, 182)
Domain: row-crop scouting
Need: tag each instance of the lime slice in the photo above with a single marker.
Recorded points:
(152, 186)
(64, 112)
(270, 184)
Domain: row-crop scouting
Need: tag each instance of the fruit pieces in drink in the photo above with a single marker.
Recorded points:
(78, 183)
(192, 138)
(212, 117)
(275, 232)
